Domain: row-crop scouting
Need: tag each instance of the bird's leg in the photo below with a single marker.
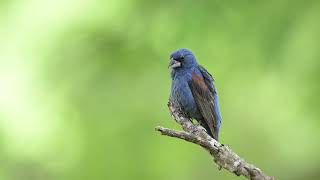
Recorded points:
(198, 125)
(201, 127)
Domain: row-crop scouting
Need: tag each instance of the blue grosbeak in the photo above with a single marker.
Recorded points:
(194, 92)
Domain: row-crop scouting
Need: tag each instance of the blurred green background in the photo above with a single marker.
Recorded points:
(84, 83)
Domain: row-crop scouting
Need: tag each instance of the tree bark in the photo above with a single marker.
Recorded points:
(223, 156)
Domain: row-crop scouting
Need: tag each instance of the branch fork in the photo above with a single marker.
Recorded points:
(223, 156)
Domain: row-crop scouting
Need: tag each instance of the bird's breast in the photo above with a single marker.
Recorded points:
(181, 93)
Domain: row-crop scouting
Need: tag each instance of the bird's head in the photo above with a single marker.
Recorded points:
(182, 58)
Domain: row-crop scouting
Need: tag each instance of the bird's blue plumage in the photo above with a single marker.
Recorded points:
(194, 91)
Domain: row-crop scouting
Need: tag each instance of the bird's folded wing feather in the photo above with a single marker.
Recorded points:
(208, 79)
(203, 92)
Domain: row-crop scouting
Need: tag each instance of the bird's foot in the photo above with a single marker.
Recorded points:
(201, 127)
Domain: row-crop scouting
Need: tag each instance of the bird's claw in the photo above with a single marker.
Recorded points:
(201, 127)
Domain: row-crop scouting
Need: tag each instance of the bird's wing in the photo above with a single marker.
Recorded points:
(205, 96)
(208, 79)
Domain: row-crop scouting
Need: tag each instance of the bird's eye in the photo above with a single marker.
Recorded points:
(182, 57)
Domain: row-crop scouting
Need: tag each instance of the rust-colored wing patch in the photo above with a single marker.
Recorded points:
(204, 100)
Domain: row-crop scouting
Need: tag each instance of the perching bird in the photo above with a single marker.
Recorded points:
(194, 90)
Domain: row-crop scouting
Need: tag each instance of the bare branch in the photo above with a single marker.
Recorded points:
(223, 156)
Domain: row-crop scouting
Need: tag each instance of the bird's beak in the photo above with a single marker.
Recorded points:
(174, 64)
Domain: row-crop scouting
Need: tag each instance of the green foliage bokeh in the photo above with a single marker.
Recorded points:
(84, 83)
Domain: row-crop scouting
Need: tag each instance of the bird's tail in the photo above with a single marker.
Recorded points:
(214, 134)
